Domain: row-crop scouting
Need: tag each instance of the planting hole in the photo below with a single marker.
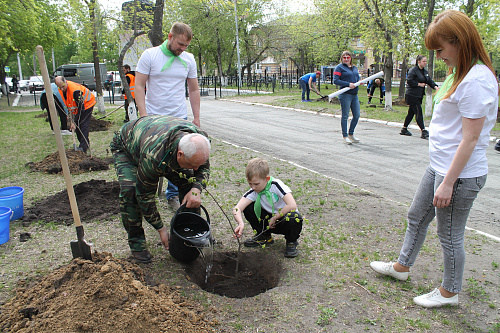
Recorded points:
(257, 273)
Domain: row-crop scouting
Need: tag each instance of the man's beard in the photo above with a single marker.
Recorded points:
(175, 52)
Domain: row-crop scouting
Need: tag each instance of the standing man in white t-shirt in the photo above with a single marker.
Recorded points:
(163, 70)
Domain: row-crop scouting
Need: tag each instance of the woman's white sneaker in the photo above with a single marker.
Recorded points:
(353, 139)
(434, 299)
(347, 141)
(386, 268)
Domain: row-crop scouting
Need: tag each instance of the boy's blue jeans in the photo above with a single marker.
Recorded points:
(451, 223)
(349, 102)
(172, 190)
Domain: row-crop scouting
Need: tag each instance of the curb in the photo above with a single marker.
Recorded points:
(377, 121)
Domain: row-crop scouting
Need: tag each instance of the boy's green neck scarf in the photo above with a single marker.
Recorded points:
(257, 206)
(170, 55)
(447, 85)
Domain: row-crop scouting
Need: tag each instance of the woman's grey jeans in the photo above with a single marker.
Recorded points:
(451, 223)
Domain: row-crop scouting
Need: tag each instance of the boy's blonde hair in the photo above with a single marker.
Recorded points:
(257, 167)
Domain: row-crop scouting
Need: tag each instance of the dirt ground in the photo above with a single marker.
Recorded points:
(97, 200)
(78, 162)
(102, 295)
(329, 287)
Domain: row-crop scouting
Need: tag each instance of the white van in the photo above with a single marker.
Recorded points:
(81, 73)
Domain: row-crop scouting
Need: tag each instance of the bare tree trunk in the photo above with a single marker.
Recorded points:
(219, 53)
(200, 63)
(156, 33)
(120, 63)
(469, 9)
(388, 72)
(402, 81)
(430, 62)
(95, 53)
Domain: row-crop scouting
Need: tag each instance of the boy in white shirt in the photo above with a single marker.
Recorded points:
(269, 207)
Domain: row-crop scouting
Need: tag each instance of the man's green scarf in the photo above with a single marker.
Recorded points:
(170, 55)
(257, 206)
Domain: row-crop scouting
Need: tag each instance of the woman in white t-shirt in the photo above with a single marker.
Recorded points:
(465, 109)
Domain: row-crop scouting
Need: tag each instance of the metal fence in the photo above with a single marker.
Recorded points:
(228, 85)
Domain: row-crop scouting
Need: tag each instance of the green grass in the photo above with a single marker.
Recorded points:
(337, 243)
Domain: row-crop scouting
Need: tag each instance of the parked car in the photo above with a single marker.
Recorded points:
(8, 81)
(23, 84)
(81, 73)
(35, 83)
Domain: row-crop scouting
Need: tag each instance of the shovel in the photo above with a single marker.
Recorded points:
(80, 248)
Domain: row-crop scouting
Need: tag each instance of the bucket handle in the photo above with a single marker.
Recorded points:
(181, 208)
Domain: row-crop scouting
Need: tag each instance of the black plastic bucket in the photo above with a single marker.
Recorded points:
(188, 232)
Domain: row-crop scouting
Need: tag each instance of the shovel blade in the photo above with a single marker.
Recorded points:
(80, 248)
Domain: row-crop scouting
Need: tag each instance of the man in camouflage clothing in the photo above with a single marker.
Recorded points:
(145, 150)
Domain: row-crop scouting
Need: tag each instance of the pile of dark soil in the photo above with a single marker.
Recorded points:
(257, 273)
(78, 162)
(96, 125)
(103, 295)
(97, 200)
(399, 102)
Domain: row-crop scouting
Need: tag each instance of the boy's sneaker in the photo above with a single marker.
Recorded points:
(291, 250)
(435, 300)
(262, 239)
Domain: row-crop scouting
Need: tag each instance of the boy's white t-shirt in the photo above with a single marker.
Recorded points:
(165, 91)
(475, 97)
(278, 190)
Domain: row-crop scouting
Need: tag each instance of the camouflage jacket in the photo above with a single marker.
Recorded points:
(151, 144)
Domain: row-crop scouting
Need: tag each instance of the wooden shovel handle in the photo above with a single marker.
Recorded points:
(57, 131)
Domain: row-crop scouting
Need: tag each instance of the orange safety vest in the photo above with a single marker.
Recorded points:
(131, 85)
(85, 95)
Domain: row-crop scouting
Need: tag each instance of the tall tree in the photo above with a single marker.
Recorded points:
(384, 18)
(26, 24)
(430, 60)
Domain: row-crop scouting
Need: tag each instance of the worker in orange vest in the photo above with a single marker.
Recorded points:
(80, 103)
(130, 75)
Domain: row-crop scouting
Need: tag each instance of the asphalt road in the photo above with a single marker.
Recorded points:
(384, 162)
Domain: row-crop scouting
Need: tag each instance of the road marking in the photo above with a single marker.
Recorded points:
(345, 182)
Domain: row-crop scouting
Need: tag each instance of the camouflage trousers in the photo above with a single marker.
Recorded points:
(130, 211)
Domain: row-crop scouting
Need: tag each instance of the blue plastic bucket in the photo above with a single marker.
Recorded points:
(12, 197)
(5, 214)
